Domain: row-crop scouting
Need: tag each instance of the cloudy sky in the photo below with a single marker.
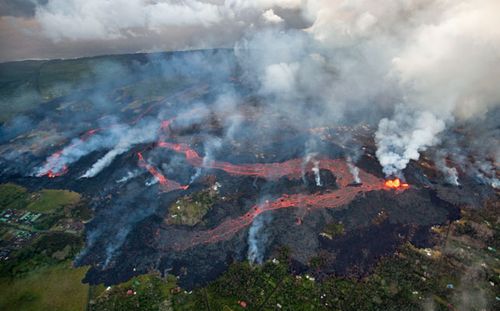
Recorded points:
(39, 29)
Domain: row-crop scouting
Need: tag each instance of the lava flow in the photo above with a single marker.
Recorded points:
(167, 185)
(292, 168)
(330, 199)
(396, 184)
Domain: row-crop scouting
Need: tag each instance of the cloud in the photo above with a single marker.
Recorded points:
(270, 17)
(94, 19)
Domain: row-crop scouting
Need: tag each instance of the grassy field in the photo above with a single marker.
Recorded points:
(12, 196)
(44, 201)
(47, 200)
(55, 288)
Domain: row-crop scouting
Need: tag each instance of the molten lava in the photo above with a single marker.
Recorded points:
(167, 185)
(396, 183)
(293, 169)
(54, 174)
(329, 199)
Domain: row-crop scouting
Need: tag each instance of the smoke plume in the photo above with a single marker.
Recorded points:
(257, 238)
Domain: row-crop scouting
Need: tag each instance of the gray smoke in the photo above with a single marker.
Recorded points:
(450, 173)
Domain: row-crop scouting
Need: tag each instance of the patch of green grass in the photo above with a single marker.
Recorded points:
(47, 200)
(189, 210)
(55, 288)
(13, 196)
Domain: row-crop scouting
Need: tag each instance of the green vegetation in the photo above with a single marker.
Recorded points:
(48, 200)
(409, 281)
(189, 210)
(48, 249)
(35, 269)
(145, 292)
(51, 288)
(12, 196)
(81, 211)
(333, 230)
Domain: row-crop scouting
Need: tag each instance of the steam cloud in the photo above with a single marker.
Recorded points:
(403, 138)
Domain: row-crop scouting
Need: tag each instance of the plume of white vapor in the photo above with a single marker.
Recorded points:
(402, 138)
(79, 148)
(144, 132)
(487, 172)
(354, 170)
(257, 239)
(317, 176)
(128, 176)
(450, 173)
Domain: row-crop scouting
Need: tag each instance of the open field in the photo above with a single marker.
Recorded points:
(55, 288)
(48, 200)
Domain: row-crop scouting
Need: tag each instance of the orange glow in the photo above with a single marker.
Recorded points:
(395, 184)
(54, 174)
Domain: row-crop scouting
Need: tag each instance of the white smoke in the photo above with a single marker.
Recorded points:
(446, 68)
(79, 148)
(354, 170)
(487, 173)
(403, 138)
(257, 239)
(270, 17)
(317, 176)
(211, 146)
(130, 175)
(450, 173)
(195, 176)
(144, 132)
(152, 181)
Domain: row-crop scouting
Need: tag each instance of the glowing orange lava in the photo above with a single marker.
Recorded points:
(166, 184)
(396, 183)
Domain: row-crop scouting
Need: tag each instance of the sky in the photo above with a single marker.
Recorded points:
(46, 29)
